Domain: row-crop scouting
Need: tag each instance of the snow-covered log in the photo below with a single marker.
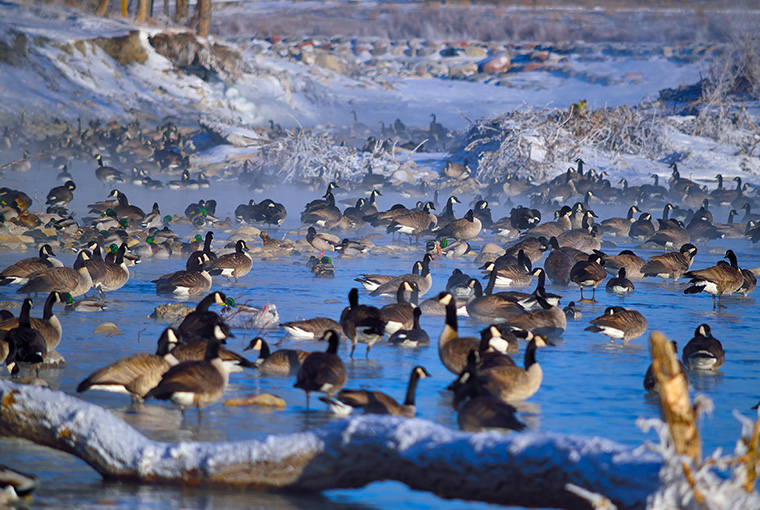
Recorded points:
(529, 469)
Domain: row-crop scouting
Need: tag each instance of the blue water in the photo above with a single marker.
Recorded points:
(590, 387)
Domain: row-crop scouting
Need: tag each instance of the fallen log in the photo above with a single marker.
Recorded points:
(529, 469)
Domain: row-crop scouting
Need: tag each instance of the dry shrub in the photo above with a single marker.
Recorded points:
(526, 142)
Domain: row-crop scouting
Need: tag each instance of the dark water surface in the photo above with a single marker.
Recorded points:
(590, 387)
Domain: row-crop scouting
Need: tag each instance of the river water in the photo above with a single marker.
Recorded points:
(590, 387)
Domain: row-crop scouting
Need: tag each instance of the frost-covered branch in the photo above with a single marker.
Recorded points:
(529, 469)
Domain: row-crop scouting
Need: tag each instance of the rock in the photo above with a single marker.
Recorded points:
(9, 305)
(331, 62)
(475, 51)
(263, 399)
(108, 329)
(171, 311)
(496, 63)
(462, 71)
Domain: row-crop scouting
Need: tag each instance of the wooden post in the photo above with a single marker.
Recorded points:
(102, 9)
(204, 17)
(677, 410)
(180, 14)
(143, 10)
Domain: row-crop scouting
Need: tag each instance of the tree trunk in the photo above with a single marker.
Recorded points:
(180, 14)
(529, 469)
(204, 17)
(102, 9)
(143, 10)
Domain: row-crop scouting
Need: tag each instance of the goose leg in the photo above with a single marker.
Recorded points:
(581, 287)
(353, 347)
(307, 401)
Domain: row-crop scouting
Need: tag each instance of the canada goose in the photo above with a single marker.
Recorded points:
(558, 264)
(553, 228)
(322, 212)
(453, 349)
(137, 374)
(528, 300)
(206, 250)
(371, 282)
(188, 282)
(424, 280)
(670, 265)
(322, 371)
(643, 228)
(585, 239)
(107, 174)
(458, 284)
(377, 402)
(510, 272)
(670, 233)
(61, 279)
(194, 349)
(703, 352)
(588, 273)
(310, 328)
(619, 322)
(24, 343)
(117, 273)
(95, 264)
(124, 209)
(731, 230)
(488, 307)
(323, 268)
(547, 320)
(627, 260)
(462, 229)
(620, 284)
(413, 223)
(748, 215)
(533, 248)
(750, 282)
(61, 196)
(234, 265)
(411, 337)
(283, 362)
(400, 315)
(447, 215)
(49, 325)
(194, 383)
(361, 323)
(478, 410)
(523, 218)
(201, 322)
(717, 280)
(322, 241)
(457, 171)
(18, 272)
(510, 382)
(701, 229)
(494, 348)
(15, 485)
(620, 226)
(650, 382)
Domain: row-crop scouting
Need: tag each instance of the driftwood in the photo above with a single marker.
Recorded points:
(529, 469)
(677, 410)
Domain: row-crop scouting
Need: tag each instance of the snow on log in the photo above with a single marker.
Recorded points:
(529, 469)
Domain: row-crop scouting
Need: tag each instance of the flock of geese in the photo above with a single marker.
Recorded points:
(191, 364)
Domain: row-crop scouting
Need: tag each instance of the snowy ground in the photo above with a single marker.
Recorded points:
(53, 67)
